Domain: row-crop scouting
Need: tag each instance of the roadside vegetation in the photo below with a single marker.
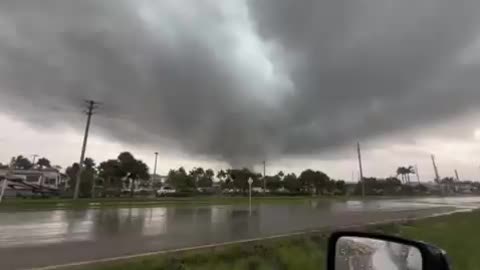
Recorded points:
(127, 176)
(127, 182)
(454, 233)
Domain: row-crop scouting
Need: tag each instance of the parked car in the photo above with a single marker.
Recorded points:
(165, 191)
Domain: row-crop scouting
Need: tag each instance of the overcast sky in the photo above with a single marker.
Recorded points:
(231, 83)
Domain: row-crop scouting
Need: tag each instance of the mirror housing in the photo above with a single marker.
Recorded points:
(427, 257)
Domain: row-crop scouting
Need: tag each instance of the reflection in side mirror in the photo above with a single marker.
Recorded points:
(361, 253)
(367, 251)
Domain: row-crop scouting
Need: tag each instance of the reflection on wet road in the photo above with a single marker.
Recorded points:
(77, 235)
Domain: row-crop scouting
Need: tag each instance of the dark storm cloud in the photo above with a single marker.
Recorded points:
(364, 68)
(237, 81)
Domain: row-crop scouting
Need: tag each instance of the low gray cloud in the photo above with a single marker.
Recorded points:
(239, 81)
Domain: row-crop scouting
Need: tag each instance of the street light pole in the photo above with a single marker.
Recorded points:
(250, 182)
(154, 169)
(155, 165)
(33, 159)
(264, 177)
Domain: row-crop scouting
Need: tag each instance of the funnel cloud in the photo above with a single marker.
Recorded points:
(240, 81)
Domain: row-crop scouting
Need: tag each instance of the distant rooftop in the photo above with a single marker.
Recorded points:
(3, 171)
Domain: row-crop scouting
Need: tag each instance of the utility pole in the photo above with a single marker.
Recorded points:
(34, 156)
(91, 106)
(456, 175)
(264, 177)
(417, 173)
(155, 168)
(361, 169)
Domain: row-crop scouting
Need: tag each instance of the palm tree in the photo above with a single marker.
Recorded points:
(408, 171)
(197, 174)
(89, 163)
(221, 175)
(111, 174)
(71, 172)
(43, 163)
(402, 172)
(22, 163)
(90, 170)
(405, 172)
(133, 169)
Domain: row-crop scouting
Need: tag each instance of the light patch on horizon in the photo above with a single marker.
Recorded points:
(476, 134)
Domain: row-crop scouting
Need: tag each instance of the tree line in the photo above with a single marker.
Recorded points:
(111, 176)
(236, 180)
(21, 162)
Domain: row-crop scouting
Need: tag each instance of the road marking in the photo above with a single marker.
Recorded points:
(223, 244)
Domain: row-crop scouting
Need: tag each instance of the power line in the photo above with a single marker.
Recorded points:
(90, 106)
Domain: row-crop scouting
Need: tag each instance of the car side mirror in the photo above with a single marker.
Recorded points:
(360, 251)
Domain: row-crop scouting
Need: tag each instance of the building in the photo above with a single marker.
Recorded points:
(29, 182)
(48, 177)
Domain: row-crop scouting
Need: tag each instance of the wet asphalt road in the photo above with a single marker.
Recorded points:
(35, 239)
